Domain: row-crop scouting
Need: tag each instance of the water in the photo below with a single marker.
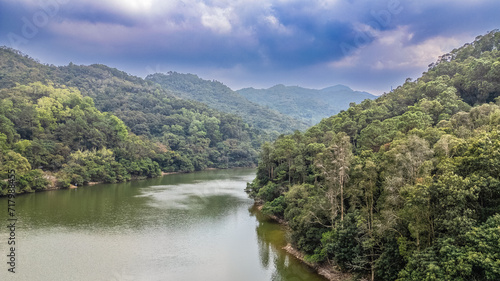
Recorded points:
(199, 226)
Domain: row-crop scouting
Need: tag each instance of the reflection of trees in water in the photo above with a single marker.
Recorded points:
(288, 270)
(264, 250)
(270, 242)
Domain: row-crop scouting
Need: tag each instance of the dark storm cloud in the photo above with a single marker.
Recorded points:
(325, 39)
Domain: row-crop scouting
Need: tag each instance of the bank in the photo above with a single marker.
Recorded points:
(52, 182)
(325, 270)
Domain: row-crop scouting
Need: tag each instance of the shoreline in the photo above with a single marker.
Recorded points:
(169, 173)
(52, 186)
(326, 271)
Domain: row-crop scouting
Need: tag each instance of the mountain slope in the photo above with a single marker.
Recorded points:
(405, 187)
(221, 97)
(307, 105)
(189, 135)
(49, 132)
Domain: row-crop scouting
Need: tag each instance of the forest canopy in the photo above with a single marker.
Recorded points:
(218, 96)
(404, 187)
(80, 124)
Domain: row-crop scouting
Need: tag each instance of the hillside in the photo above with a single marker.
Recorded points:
(404, 187)
(220, 97)
(54, 133)
(307, 105)
(44, 131)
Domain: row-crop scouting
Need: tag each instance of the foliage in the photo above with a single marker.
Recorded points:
(276, 207)
(415, 192)
(218, 96)
(307, 105)
(58, 130)
(95, 123)
(198, 136)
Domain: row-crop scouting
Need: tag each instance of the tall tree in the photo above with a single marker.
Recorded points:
(335, 164)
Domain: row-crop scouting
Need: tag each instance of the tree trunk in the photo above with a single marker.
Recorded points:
(372, 268)
(341, 202)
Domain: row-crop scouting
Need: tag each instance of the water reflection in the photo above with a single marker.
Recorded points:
(179, 227)
(271, 240)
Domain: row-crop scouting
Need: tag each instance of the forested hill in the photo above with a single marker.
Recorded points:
(82, 124)
(218, 96)
(307, 105)
(404, 187)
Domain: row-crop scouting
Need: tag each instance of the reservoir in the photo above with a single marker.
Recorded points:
(196, 226)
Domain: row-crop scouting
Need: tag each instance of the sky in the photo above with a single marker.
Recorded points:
(368, 45)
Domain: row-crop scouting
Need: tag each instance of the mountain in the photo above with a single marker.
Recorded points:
(96, 123)
(307, 105)
(404, 187)
(220, 97)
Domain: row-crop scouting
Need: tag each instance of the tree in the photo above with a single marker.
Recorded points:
(14, 161)
(284, 151)
(335, 164)
(363, 194)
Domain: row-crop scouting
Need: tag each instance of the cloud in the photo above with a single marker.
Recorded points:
(322, 41)
(217, 19)
(392, 50)
(427, 19)
(255, 30)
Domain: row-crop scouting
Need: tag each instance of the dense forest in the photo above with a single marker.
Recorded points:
(80, 124)
(404, 187)
(163, 124)
(218, 96)
(308, 105)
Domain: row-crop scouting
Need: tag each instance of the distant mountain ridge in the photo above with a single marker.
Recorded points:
(218, 96)
(307, 105)
(166, 132)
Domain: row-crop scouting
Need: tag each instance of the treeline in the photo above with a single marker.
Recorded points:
(81, 124)
(405, 187)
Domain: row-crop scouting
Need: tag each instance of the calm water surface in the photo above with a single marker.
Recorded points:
(199, 226)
